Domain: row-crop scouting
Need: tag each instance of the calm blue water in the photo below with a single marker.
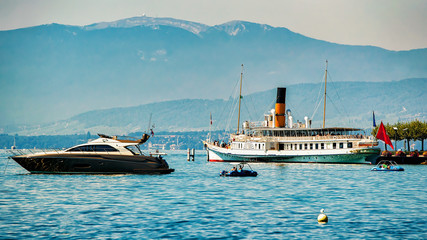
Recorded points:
(195, 203)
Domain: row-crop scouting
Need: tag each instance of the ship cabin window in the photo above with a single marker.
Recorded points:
(93, 148)
(296, 146)
(305, 146)
(267, 133)
(334, 145)
(279, 133)
(341, 145)
(300, 147)
(349, 145)
(281, 146)
(317, 146)
(257, 133)
(322, 146)
(134, 149)
(311, 145)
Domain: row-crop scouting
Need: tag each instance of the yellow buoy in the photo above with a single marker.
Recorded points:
(322, 218)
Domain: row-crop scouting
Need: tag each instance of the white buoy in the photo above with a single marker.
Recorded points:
(322, 218)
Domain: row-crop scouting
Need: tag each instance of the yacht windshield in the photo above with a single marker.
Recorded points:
(134, 149)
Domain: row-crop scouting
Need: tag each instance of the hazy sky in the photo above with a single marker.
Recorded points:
(390, 24)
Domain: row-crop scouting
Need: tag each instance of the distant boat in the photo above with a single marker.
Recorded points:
(14, 143)
(387, 165)
(105, 155)
(238, 171)
(278, 139)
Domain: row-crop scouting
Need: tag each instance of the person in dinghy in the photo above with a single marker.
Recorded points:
(238, 171)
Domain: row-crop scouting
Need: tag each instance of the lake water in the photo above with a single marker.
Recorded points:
(195, 203)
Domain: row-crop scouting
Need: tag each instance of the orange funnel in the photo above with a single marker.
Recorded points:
(280, 108)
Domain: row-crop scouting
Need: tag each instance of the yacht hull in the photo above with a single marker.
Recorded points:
(92, 164)
(358, 157)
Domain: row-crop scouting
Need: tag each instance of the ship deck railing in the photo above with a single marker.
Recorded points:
(300, 138)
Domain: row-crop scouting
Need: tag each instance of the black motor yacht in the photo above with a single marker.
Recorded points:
(105, 155)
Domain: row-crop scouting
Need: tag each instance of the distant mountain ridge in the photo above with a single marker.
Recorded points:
(54, 72)
(349, 104)
(193, 27)
(232, 28)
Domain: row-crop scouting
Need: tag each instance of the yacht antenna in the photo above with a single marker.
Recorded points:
(240, 99)
(324, 100)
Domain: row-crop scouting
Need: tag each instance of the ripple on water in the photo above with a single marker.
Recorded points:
(195, 203)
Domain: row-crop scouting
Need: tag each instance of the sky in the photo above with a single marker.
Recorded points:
(390, 24)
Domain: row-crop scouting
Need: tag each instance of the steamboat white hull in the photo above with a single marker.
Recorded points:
(353, 156)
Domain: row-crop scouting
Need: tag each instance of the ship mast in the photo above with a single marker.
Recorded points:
(324, 100)
(240, 99)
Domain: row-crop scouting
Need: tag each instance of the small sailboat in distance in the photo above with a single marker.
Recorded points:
(14, 143)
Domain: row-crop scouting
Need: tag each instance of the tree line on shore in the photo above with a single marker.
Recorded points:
(410, 131)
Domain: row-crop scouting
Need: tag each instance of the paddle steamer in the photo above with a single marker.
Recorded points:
(279, 139)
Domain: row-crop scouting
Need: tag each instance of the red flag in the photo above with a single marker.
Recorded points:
(211, 118)
(382, 135)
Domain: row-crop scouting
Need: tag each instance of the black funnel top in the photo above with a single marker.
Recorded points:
(281, 95)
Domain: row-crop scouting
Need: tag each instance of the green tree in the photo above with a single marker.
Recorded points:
(405, 133)
(418, 131)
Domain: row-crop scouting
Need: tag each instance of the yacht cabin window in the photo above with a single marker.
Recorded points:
(93, 148)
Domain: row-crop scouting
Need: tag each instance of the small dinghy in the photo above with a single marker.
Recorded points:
(238, 171)
(387, 165)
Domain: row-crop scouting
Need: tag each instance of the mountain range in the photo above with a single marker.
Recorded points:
(349, 104)
(56, 73)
